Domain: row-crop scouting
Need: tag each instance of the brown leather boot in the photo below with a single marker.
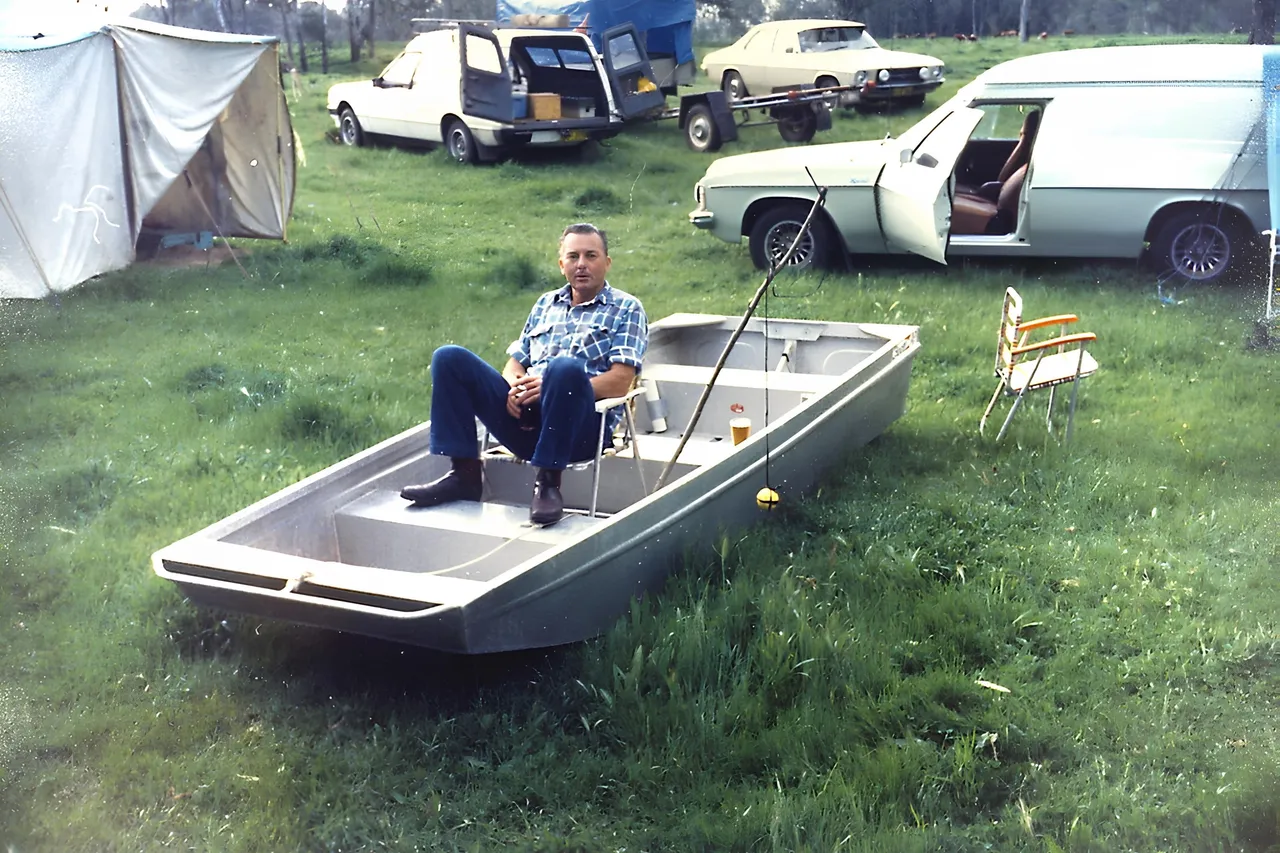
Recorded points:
(547, 506)
(463, 483)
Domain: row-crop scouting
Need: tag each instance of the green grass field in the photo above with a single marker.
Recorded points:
(812, 685)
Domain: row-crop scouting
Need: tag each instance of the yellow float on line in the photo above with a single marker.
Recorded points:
(767, 498)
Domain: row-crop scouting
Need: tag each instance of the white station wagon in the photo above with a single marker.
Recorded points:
(1154, 151)
(484, 93)
(781, 55)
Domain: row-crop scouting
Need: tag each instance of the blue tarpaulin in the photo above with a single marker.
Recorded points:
(1271, 109)
(667, 25)
(1271, 103)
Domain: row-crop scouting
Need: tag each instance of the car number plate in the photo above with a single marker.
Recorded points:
(576, 136)
(906, 90)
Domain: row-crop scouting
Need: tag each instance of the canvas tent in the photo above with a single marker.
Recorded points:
(134, 127)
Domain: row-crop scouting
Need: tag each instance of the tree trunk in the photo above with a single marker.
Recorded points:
(302, 40)
(1023, 15)
(353, 29)
(368, 26)
(324, 37)
(284, 31)
(1264, 22)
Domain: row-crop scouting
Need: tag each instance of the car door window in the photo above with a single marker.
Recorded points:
(400, 71)
(482, 54)
(623, 51)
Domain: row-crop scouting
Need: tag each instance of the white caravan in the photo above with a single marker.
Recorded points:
(1147, 151)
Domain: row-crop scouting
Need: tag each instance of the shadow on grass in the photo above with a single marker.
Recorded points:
(321, 664)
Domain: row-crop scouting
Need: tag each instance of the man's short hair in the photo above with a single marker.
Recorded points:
(586, 228)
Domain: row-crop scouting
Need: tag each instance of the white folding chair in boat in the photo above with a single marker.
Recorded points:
(1024, 365)
(623, 437)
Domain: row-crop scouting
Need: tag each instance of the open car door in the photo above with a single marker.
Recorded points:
(630, 73)
(913, 194)
(486, 83)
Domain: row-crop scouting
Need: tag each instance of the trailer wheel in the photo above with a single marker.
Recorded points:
(700, 129)
(775, 231)
(797, 124)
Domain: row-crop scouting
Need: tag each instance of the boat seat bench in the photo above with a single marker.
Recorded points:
(732, 377)
(380, 529)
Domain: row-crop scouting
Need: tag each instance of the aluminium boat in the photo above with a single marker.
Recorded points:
(342, 550)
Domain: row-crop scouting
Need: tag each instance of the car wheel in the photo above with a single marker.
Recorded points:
(1197, 245)
(733, 86)
(775, 231)
(349, 127)
(700, 129)
(461, 144)
(797, 124)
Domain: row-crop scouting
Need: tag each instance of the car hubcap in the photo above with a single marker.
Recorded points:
(457, 145)
(1200, 252)
(779, 240)
(348, 132)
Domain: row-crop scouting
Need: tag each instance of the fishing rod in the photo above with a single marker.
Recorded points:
(742, 325)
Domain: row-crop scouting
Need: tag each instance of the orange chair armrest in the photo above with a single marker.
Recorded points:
(1047, 321)
(1065, 340)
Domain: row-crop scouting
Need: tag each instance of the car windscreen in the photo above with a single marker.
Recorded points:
(822, 39)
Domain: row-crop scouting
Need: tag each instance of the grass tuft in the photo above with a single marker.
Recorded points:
(599, 200)
(518, 272)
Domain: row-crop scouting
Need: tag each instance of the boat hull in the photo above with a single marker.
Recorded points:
(340, 550)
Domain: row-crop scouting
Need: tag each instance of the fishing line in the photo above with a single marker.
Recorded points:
(768, 481)
(819, 201)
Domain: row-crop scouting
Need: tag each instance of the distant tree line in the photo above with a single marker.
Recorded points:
(357, 23)
(887, 18)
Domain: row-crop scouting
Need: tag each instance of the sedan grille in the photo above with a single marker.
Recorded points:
(903, 77)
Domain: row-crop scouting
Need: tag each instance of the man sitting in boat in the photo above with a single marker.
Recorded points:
(581, 343)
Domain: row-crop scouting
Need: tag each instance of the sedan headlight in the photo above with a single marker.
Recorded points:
(883, 75)
(859, 78)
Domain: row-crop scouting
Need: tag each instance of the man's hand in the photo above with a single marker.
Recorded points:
(525, 391)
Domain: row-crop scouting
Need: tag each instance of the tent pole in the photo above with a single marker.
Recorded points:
(22, 235)
(280, 146)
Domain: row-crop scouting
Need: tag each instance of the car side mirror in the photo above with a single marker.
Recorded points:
(377, 81)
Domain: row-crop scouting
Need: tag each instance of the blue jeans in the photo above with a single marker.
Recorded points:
(465, 387)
